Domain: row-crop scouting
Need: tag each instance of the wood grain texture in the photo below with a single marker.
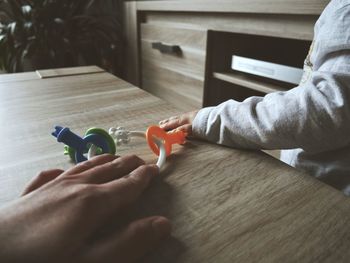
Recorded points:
(18, 77)
(243, 80)
(194, 38)
(226, 205)
(237, 6)
(189, 62)
(186, 23)
(221, 46)
(179, 90)
(285, 26)
(52, 73)
(131, 29)
(176, 77)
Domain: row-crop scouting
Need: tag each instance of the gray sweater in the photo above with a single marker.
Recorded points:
(311, 122)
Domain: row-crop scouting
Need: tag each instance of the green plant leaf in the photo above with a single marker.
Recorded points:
(56, 33)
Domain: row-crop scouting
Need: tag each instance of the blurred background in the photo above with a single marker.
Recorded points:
(42, 34)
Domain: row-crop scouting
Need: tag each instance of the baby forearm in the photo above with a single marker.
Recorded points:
(313, 117)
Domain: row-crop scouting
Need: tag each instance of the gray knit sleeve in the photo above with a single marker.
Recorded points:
(314, 116)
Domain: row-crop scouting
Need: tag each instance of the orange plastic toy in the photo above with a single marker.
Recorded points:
(169, 138)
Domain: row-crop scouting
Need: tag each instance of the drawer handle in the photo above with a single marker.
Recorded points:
(164, 48)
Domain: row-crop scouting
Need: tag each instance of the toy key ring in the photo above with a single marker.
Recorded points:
(98, 141)
(76, 146)
(123, 136)
(168, 138)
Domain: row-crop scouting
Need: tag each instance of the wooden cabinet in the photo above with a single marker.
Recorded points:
(223, 83)
(181, 50)
(173, 63)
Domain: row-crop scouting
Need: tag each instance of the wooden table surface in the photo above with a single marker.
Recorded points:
(226, 205)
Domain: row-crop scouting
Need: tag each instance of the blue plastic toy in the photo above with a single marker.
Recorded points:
(78, 146)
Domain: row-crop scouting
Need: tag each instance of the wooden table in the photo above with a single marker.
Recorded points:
(226, 205)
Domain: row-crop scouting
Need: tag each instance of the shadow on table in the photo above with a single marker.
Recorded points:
(159, 199)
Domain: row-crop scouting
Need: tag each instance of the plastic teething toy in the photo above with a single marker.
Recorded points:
(169, 138)
(97, 141)
(78, 146)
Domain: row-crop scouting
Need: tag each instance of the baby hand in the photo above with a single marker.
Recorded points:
(182, 122)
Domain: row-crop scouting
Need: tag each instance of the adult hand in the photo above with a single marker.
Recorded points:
(182, 122)
(61, 216)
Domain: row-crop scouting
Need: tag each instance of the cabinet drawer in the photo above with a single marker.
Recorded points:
(173, 63)
(188, 56)
(181, 91)
(184, 36)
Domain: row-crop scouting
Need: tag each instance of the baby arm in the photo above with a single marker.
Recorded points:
(314, 116)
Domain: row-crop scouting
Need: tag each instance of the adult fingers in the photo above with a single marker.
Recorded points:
(41, 179)
(124, 191)
(97, 160)
(131, 243)
(105, 200)
(110, 171)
